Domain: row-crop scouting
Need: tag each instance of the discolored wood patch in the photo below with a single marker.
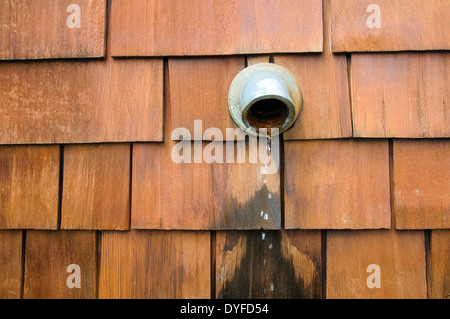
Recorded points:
(272, 264)
(206, 194)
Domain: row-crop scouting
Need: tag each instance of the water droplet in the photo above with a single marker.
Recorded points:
(266, 217)
(272, 287)
(265, 181)
(269, 196)
(270, 246)
(265, 291)
(263, 236)
(262, 213)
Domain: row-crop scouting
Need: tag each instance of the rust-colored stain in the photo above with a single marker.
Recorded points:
(92, 90)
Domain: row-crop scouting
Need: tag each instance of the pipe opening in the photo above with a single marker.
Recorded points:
(268, 113)
(264, 96)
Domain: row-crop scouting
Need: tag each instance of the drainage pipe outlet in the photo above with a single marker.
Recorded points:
(264, 96)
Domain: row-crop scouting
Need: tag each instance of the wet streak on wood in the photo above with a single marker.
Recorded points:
(96, 190)
(37, 29)
(405, 25)
(155, 264)
(166, 195)
(77, 102)
(401, 95)
(400, 256)
(196, 27)
(29, 187)
(421, 184)
(47, 256)
(10, 264)
(323, 80)
(272, 264)
(440, 264)
(200, 92)
(337, 184)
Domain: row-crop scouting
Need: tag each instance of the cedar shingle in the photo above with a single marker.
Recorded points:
(399, 255)
(29, 186)
(421, 184)
(405, 25)
(167, 195)
(38, 29)
(47, 257)
(155, 264)
(197, 27)
(96, 187)
(323, 80)
(10, 264)
(339, 184)
(400, 95)
(440, 264)
(199, 91)
(78, 102)
(273, 264)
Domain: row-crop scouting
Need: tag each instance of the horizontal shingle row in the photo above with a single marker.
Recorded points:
(226, 264)
(328, 184)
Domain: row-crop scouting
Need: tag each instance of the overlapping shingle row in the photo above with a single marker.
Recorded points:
(363, 174)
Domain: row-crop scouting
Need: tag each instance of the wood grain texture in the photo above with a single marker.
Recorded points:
(199, 91)
(47, 256)
(323, 80)
(29, 187)
(421, 183)
(400, 256)
(401, 95)
(272, 265)
(38, 29)
(237, 195)
(166, 195)
(440, 264)
(405, 25)
(196, 27)
(78, 102)
(11, 264)
(337, 184)
(96, 187)
(155, 265)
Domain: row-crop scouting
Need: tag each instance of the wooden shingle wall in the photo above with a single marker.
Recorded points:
(92, 204)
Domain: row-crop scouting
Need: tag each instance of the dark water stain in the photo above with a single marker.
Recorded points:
(264, 272)
(235, 215)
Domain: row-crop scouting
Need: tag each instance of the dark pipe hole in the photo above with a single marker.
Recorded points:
(268, 113)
